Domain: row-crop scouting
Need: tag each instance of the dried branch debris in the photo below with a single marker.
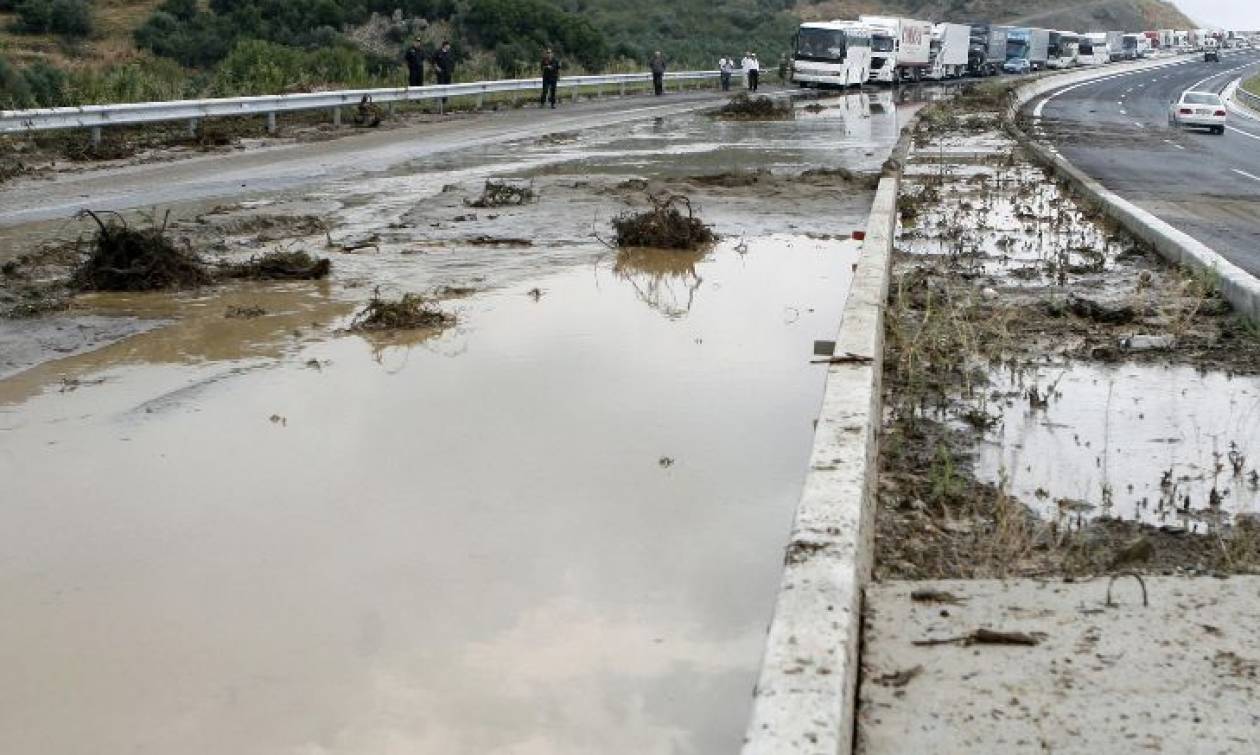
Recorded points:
(503, 194)
(129, 259)
(410, 312)
(664, 226)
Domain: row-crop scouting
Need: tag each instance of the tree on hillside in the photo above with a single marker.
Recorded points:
(69, 18)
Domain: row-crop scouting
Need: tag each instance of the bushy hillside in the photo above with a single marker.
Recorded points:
(63, 52)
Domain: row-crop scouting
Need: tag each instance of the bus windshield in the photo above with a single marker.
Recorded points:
(822, 45)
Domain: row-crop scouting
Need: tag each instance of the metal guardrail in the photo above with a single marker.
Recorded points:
(95, 117)
(1247, 98)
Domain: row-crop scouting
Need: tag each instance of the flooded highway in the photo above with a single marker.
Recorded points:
(554, 527)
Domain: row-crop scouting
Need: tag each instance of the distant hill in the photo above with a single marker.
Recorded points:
(1077, 15)
(135, 50)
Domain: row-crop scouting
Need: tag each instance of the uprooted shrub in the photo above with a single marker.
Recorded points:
(504, 193)
(292, 265)
(123, 258)
(664, 226)
(410, 312)
(743, 106)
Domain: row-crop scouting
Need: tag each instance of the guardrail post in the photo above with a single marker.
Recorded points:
(96, 136)
(574, 98)
(622, 87)
(441, 106)
(336, 117)
(271, 123)
(192, 127)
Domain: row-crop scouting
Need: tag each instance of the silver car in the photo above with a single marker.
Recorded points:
(1199, 109)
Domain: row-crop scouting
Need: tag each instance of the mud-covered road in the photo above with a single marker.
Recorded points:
(555, 527)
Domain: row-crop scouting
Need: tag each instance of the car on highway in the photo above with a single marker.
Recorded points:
(1199, 109)
(1211, 55)
(1017, 65)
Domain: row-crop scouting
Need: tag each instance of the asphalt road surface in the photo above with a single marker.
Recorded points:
(216, 176)
(1116, 129)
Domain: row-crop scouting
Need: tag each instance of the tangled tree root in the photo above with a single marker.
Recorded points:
(663, 226)
(297, 265)
(128, 259)
(503, 193)
(408, 313)
(743, 106)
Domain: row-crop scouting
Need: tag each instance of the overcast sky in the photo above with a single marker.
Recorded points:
(1227, 14)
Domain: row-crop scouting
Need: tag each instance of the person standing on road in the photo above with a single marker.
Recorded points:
(415, 64)
(658, 73)
(726, 67)
(752, 70)
(551, 66)
(444, 62)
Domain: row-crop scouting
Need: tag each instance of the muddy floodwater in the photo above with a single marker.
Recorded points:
(555, 527)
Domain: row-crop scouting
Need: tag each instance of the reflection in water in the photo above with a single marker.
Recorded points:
(470, 556)
(664, 279)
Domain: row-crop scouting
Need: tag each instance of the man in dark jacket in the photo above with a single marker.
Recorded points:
(551, 66)
(415, 64)
(444, 62)
(658, 73)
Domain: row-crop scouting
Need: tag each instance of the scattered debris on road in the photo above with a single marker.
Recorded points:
(663, 226)
(407, 313)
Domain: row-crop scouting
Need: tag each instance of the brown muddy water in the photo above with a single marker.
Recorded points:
(556, 527)
(1154, 419)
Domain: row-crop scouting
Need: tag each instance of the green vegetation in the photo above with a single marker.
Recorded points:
(1252, 85)
(70, 18)
(72, 52)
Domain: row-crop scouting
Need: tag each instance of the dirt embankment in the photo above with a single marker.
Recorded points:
(1006, 291)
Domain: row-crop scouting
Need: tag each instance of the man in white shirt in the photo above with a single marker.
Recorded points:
(752, 69)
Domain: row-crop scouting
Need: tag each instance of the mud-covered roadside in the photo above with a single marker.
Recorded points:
(43, 154)
(436, 230)
(1059, 401)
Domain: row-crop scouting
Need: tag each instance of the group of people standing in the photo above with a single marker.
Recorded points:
(443, 61)
(750, 66)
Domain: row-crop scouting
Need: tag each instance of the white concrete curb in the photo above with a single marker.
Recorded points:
(1238, 287)
(804, 700)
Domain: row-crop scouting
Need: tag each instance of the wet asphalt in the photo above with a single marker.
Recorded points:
(1117, 130)
(208, 177)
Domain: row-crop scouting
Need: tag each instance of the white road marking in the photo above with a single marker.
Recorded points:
(1139, 124)
(1170, 142)
(1244, 133)
(1245, 173)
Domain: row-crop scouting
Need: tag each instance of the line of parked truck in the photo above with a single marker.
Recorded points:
(889, 49)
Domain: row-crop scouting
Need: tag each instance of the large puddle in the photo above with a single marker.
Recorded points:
(1172, 446)
(554, 528)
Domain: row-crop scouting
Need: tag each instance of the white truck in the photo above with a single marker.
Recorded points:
(948, 58)
(1115, 45)
(1064, 46)
(1028, 44)
(1167, 39)
(831, 53)
(1092, 50)
(901, 48)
